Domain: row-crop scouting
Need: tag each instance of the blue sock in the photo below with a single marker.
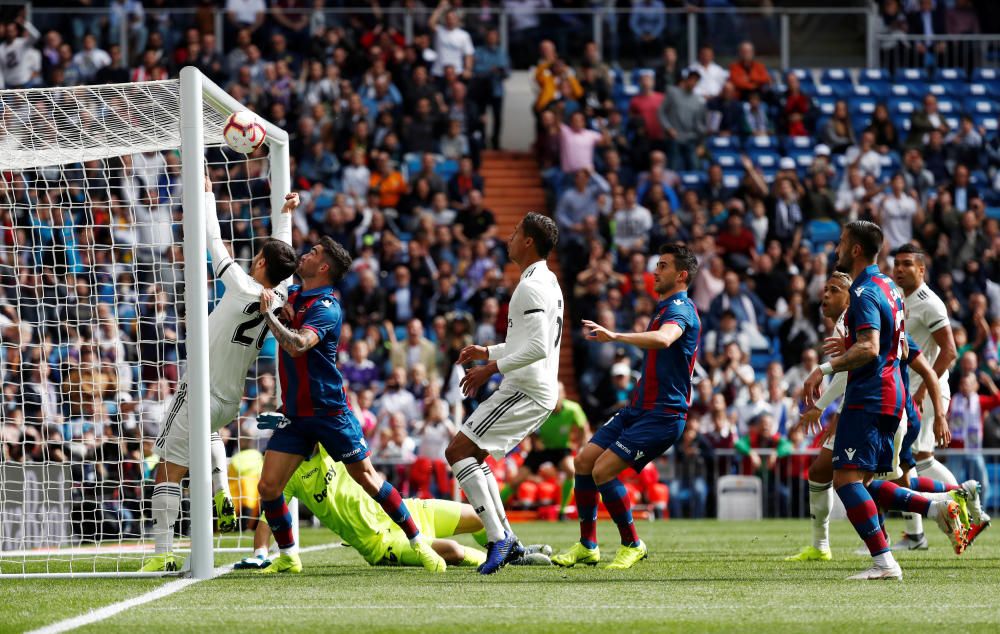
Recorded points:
(616, 500)
(279, 520)
(586, 508)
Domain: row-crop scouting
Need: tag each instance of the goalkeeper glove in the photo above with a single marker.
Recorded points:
(258, 562)
(271, 420)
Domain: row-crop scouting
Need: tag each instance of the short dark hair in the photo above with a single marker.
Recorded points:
(337, 256)
(918, 253)
(866, 235)
(542, 230)
(279, 260)
(684, 259)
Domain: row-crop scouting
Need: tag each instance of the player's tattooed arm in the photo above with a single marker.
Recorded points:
(864, 350)
(296, 342)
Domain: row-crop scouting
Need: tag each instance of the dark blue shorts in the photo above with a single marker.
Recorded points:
(912, 431)
(864, 441)
(339, 434)
(638, 436)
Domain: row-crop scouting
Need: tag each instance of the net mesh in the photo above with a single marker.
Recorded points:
(92, 318)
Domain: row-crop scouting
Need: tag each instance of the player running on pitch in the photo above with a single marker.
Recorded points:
(529, 361)
(315, 407)
(874, 399)
(236, 333)
(834, 306)
(927, 321)
(654, 419)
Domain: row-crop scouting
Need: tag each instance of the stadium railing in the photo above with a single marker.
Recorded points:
(784, 36)
(785, 490)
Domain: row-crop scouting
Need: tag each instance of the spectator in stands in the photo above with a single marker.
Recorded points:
(476, 222)
(576, 145)
(747, 74)
(694, 466)
(886, 137)
(864, 156)
(583, 200)
(716, 340)
(734, 376)
(963, 194)
(726, 112)
(668, 72)
(632, 223)
(358, 369)
(749, 310)
(682, 115)
(891, 27)
(966, 418)
(415, 349)
(492, 67)
(968, 242)
(89, 60)
(919, 180)
(647, 20)
(397, 399)
(785, 214)
(387, 183)
(755, 119)
(928, 21)
(367, 303)
(737, 243)
(795, 109)
(712, 77)
(924, 121)
(936, 157)
(647, 106)
(838, 133)
(551, 78)
(966, 143)
(897, 212)
(819, 201)
(19, 39)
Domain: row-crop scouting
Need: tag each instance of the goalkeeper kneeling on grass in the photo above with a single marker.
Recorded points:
(342, 505)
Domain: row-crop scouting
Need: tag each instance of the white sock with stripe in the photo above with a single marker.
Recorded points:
(473, 482)
(820, 503)
(491, 483)
(166, 506)
(931, 468)
(220, 466)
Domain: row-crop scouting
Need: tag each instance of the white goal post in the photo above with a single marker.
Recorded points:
(65, 138)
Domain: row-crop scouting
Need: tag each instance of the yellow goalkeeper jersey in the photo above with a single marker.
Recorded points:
(341, 505)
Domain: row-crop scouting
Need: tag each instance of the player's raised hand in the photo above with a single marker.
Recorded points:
(266, 299)
(809, 422)
(473, 353)
(476, 378)
(812, 388)
(834, 346)
(597, 332)
(291, 202)
(942, 433)
(831, 429)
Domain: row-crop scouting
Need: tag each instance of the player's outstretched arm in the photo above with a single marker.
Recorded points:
(296, 342)
(281, 223)
(942, 432)
(649, 340)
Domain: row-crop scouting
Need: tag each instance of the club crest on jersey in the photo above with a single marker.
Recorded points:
(639, 455)
(859, 290)
(326, 302)
(679, 302)
(850, 453)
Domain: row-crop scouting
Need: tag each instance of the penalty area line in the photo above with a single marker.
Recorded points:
(172, 587)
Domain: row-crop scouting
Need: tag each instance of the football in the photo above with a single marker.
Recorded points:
(243, 132)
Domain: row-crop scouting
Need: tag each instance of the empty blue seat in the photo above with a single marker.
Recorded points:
(949, 106)
(860, 121)
(766, 159)
(980, 106)
(446, 169)
(901, 121)
(986, 75)
(993, 212)
(728, 159)
(903, 105)
(862, 105)
(869, 75)
(979, 90)
(910, 75)
(825, 90)
(839, 79)
(793, 143)
(692, 179)
(987, 121)
(724, 143)
(825, 105)
(802, 158)
(822, 231)
(761, 142)
(901, 90)
(731, 180)
(951, 74)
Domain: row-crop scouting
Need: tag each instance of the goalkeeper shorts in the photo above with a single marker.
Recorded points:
(436, 519)
(173, 443)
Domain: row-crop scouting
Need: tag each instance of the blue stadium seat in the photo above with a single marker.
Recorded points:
(951, 74)
(901, 90)
(727, 159)
(412, 166)
(993, 212)
(692, 179)
(765, 159)
(986, 75)
(819, 232)
(762, 143)
(979, 178)
(980, 106)
(446, 169)
(837, 78)
(823, 90)
(890, 164)
(826, 105)
(793, 143)
(860, 121)
(868, 75)
(901, 121)
(979, 90)
(723, 143)
(949, 106)
(987, 121)
(905, 75)
(903, 105)
(874, 91)
(731, 180)
(803, 158)
(862, 105)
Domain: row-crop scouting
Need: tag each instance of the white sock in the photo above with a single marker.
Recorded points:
(473, 481)
(938, 497)
(885, 560)
(166, 505)
(491, 482)
(220, 467)
(931, 468)
(260, 552)
(820, 503)
(914, 522)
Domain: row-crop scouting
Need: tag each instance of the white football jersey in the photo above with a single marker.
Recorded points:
(236, 328)
(529, 359)
(926, 314)
(838, 384)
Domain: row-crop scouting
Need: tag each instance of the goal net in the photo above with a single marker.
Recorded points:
(103, 297)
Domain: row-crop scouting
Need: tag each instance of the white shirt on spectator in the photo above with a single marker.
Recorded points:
(89, 62)
(245, 11)
(524, 13)
(870, 163)
(896, 215)
(355, 182)
(434, 439)
(15, 63)
(451, 46)
(632, 226)
(713, 78)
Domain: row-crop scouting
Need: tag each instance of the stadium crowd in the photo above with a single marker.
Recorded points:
(740, 162)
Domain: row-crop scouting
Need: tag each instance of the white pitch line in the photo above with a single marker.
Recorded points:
(108, 611)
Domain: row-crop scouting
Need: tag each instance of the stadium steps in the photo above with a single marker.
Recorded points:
(513, 188)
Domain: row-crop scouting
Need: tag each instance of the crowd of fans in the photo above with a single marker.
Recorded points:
(387, 139)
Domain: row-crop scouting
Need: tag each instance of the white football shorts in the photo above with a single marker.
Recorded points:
(503, 420)
(173, 444)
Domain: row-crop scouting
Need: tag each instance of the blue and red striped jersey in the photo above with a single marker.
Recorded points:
(666, 373)
(311, 385)
(876, 304)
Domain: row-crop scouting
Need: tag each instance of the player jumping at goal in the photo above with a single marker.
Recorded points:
(315, 407)
(874, 400)
(654, 419)
(836, 297)
(529, 361)
(236, 334)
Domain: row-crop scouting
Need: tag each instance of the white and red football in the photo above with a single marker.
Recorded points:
(243, 132)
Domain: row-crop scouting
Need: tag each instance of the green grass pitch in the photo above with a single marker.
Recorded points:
(702, 576)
